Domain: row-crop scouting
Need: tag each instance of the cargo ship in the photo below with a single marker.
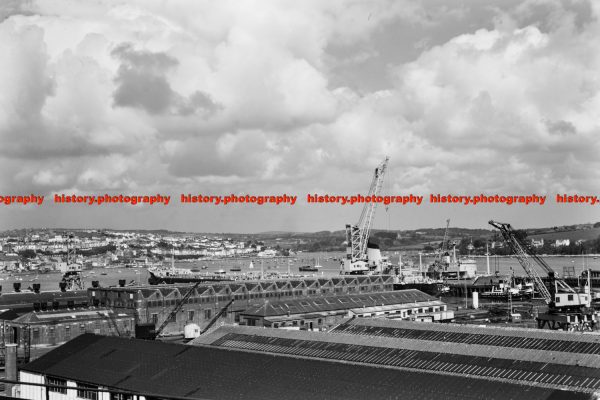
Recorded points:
(169, 275)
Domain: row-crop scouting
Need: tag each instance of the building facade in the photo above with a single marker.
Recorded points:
(323, 312)
(153, 304)
(41, 328)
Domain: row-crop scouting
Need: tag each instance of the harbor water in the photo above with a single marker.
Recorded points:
(329, 262)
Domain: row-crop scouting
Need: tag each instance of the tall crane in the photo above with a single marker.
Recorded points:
(445, 240)
(357, 236)
(559, 295)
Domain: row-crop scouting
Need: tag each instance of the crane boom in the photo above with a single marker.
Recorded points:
(522, 256)
(445, 240)
(357, 236)
(216, 317)
(175, 310)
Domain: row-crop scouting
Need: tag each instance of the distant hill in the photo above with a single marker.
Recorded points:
(572, 235)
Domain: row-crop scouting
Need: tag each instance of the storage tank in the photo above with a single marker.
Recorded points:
(191, 331)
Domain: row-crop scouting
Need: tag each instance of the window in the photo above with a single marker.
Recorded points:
(570, 297)
(86, 394)
(190, 315)
(121, 396)
(56, 382)
(207, 313)
(154, 318)
(67, 333)
(557, 299)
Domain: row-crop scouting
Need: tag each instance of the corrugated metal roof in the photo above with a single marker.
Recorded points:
(493, 336)
(324, 303)
(393, 353)
(213, 373)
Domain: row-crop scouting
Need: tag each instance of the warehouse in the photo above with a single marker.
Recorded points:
(153, 304)
(532, 358)
(163, 370)
(323, 312)
(52, 327)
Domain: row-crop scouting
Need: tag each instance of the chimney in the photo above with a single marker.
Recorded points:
(11, 367)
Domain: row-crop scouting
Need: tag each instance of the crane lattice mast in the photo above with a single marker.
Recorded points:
(358, 235)
(522, 256)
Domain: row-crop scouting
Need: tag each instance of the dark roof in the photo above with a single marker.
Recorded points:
(553, 369)
(164, 369)
(314, 304)
(464, 334)
(24, 300)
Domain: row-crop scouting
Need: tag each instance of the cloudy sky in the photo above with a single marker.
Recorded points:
(269, 97)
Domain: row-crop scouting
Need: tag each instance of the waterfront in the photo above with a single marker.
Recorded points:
(329, 261)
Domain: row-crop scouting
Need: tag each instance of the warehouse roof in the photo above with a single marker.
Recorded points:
(164, 370)
(166, 289)
(533, 339)
(316, 304)
(68, 316)
(510, 365)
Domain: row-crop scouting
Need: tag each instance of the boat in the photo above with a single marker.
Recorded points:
(502, 292)
(308, 268)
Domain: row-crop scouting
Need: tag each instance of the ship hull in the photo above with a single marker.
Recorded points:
(154, 279)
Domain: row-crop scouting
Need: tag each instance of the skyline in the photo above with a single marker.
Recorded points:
(280, 97)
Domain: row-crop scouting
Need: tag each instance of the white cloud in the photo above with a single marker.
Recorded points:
(250, 95)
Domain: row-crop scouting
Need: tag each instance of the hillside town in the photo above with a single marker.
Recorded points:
(45, 250)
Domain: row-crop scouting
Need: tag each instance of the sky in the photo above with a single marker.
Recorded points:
(277, 97)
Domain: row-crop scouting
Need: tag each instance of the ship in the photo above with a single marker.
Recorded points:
(451, 268)
(170, 275)
(159, 275)
(505, 292)
(310, 268)
(410, 276)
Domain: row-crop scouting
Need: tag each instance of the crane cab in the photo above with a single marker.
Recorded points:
(569, 300)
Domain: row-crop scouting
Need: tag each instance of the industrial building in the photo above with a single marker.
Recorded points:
(529, 358)
(153, 304)
(52, 327)
(25, 301)
(323, 312)
(317, 365)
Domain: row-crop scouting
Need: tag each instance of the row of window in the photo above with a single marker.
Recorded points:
(190, 316)
(83, 390)
(267, 294)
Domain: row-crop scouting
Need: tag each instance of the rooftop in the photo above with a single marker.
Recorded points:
(315, 304)
(164, 370)
(551, 369)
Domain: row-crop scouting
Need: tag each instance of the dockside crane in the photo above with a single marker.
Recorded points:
(565, 305)
(216, 317)
(357, 236)
(174, 311)
(445, 240)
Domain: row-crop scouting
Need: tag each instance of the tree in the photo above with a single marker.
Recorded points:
(27, 253)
